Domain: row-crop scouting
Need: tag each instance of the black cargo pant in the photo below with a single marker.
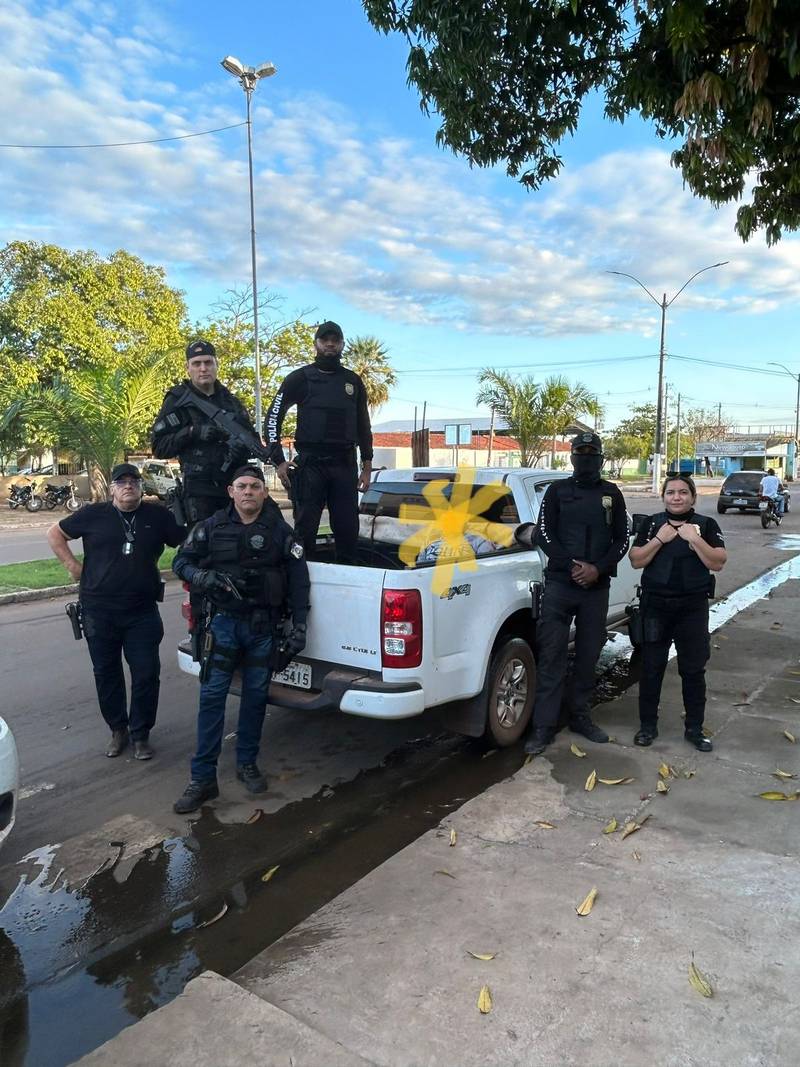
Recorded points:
(198, 508)
(563, 601)
(136, 635)
(327, 481)
(683, 620)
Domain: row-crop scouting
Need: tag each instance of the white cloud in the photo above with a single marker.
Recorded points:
(413, 236)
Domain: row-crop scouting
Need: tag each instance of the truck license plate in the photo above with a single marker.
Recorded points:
(740, 500)
(296, 674)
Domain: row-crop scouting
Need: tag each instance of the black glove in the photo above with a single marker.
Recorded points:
(209, 431)
(211, 582)
(285, 649)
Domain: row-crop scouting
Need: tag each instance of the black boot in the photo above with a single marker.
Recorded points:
(195, 795)
(538, 740)
(254, 780)
(701, 743)
(584, 726)
(120, 740)
(646, 736)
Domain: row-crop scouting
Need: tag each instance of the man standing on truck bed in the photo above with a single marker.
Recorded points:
(246, 562)
(332, 419)
(204, 449)
(583, 531)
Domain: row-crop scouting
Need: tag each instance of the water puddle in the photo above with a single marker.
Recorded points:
(786, 542)
(78, 963)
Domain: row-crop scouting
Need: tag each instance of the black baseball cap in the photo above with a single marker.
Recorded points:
(125, 470)
(249, 470)
(587, 440)
(200, 348)
(328, 327)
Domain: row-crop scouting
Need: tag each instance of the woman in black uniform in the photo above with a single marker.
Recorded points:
(677, 550)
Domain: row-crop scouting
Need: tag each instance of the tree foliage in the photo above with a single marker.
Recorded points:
(369, 359)
(508, 79)
(63, 312)
(535, 414)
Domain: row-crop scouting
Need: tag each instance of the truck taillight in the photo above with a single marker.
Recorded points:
(401, 628)
(186, 607)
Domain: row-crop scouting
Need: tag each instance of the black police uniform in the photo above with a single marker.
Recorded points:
(204, 464)
(119, 589)
(267, 565)
(585, 522)
(676, 586)
(332, 419)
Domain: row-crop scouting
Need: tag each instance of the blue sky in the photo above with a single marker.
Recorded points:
(362, 219)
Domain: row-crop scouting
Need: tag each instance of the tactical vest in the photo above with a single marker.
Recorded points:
(202, 461)
(696, 576)
(329, 414)
(251, 552)
(585, 522)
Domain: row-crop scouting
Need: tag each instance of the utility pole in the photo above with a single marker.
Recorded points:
(491, 440)
(665, 437)
(678, 433)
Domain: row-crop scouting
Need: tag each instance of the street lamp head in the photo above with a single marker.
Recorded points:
(266, 70)
(234, 66)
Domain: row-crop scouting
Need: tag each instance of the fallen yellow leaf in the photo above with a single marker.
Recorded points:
(662, 787)
(637, 855)
(481, 955)
(610, 826)
(664, 770)
(616, 781)
(699, 981)
(789, 737)
(268, 874)
(778, 773)
(577, 751)
(485, 1000)
(527, 760)
(632, 826)
(543, 824)
(591, 782)
(453, 837)
(774, 795)
(587, 903)
(216, 918)
(255, 816)
(446, 873)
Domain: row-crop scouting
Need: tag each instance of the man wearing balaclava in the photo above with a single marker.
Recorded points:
(332, 420)
(583, 531)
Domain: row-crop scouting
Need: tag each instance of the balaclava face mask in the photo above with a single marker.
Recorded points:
(587, 468)
(327, 361)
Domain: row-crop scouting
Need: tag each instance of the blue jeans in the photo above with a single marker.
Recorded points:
(109, 636)
(235, 644)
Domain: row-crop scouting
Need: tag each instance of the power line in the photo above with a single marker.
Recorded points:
(125, 144)
(566, 365)
(729, 366)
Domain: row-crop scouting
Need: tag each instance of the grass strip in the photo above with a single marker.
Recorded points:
(49, 573)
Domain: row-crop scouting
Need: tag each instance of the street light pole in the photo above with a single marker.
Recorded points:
(248, 78)
(796, 412)
(663, 304)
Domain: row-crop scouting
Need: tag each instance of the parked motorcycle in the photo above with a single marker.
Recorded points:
(63, 495)
(768, 507)
(24, 496)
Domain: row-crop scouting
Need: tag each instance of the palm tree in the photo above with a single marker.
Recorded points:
(99, 413)
(515, 401)
(560, 403)
(368, 358)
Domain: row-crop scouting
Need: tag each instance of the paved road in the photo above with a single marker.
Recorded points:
(21, 546)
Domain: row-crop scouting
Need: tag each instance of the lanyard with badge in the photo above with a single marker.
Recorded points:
(129, 528)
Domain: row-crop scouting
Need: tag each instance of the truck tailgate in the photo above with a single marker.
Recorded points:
(345, 617)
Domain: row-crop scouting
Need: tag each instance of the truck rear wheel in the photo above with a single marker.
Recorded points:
(512, 682)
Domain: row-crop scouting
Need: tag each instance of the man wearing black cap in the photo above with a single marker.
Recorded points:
(202, 446)
(332, 419)
(119, 589)
(247, 562)
(583, 531)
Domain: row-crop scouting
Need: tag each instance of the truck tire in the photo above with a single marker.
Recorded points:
(512, 683)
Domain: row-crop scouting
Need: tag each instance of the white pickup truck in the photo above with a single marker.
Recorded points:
(382, 644)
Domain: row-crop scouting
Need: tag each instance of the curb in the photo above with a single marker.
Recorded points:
(25, 596)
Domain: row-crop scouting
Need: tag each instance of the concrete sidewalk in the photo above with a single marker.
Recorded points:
(383, 974)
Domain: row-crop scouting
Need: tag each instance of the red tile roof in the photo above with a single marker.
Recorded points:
(479, 441)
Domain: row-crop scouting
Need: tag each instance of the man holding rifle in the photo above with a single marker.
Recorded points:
(250, 569)
(210, 432)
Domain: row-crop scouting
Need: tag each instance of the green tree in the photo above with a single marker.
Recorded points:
(619, 447)
(560, 403)
(62, 312)
(99, 414)
(638, 432)
(369, 359)
(508, 79)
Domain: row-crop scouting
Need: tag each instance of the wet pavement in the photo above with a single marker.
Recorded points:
(85, 951)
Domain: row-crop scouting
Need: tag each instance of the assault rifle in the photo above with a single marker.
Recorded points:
(226, 421)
